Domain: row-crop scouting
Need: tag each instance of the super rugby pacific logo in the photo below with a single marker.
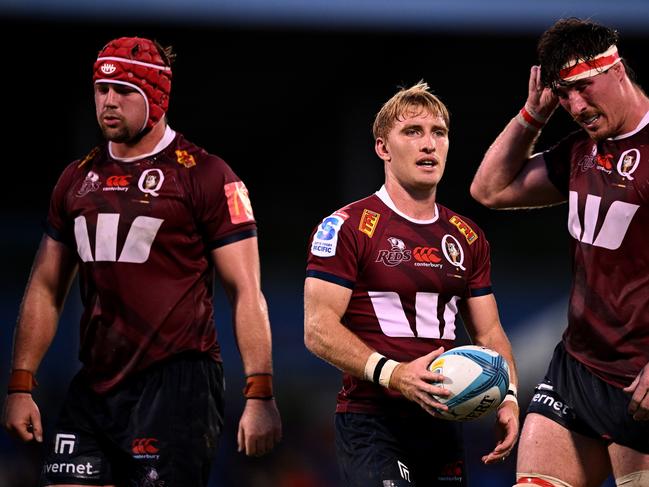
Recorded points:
(396, 255)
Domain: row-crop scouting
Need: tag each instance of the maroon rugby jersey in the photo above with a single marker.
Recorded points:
(143, 231)
(406, 277)
(607, 185)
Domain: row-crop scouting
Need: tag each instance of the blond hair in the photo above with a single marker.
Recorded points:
(405, 100)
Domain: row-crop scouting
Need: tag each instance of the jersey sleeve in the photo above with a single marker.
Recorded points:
(59, 225)
(222, 206)
(557, 161)
(334, 251)
(479, 282)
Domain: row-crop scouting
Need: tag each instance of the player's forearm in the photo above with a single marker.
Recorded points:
(35, 330)
(330, 340)
(252, 332)
(502, 163)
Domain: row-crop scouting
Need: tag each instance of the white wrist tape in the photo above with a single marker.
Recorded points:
(378, 369)
(512, 394)
(370, 365)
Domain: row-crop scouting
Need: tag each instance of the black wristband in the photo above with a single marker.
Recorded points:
(378, 369)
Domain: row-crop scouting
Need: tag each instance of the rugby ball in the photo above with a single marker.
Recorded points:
(477, 377)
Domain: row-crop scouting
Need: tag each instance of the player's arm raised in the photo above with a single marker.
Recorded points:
(480, 315)
(49, 283)
(325, 336)
(509, 176)
(237, 264)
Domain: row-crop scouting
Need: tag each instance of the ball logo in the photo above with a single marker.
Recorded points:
(108, 68)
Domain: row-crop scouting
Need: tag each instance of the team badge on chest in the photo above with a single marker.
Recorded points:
(453, 251)
(396, 255)
(151, 181)
(628, 163)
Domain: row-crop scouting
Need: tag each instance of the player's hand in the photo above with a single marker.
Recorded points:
(507, 426)
(260, 427)
(22, 418)
(540, 99)
(639, 389)
(416, 382)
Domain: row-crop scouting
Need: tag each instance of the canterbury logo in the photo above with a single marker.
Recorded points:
(143, 446)
(118, 181)
(108, 68)
(426, 254)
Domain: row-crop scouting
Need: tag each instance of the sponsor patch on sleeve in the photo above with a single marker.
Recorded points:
(369, 220)
(464, 229)
(325, 239)
(238, 202)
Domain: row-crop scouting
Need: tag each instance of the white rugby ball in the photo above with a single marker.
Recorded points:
(477, 377)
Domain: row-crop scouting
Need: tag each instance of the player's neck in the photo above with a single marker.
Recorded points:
(144, 145)
(638, 104)
(417, 204)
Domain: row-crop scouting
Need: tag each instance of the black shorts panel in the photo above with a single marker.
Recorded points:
(381, 451)
(581, 402)
(158, 429)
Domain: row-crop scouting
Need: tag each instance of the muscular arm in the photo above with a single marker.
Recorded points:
(324, 335)
(238, 267)
(48, 285)
(480, 315)
(325, 304)
(509, 176)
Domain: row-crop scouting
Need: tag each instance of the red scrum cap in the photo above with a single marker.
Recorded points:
(137, 62)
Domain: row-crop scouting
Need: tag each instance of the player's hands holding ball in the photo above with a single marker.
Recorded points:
(416, 382)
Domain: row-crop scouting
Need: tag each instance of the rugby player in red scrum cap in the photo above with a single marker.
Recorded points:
(588, 416)
(146, 219)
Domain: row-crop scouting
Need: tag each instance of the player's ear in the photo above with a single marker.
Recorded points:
(381, 148)
(619, 70)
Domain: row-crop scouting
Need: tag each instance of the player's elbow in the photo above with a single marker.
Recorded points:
(484, 195)
(313, 338)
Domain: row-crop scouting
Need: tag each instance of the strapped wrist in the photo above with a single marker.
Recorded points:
(21, 380)
(530, 119)
(512, 394)
(259, 386)
(379, 369)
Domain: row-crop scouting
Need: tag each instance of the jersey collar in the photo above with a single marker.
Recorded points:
(643, 123)
(385, 197)
(161, 145)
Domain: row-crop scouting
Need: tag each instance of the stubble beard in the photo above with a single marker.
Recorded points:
(118, 135)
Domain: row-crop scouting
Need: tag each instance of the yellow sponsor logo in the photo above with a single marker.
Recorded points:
(185, 158)
(368, 223)
(464, 229)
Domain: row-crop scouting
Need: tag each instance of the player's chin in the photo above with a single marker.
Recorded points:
(118, 135)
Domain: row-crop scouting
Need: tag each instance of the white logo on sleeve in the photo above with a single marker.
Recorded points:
(325, 239)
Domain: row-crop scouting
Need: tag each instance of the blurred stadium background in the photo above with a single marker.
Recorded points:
(286, 92)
